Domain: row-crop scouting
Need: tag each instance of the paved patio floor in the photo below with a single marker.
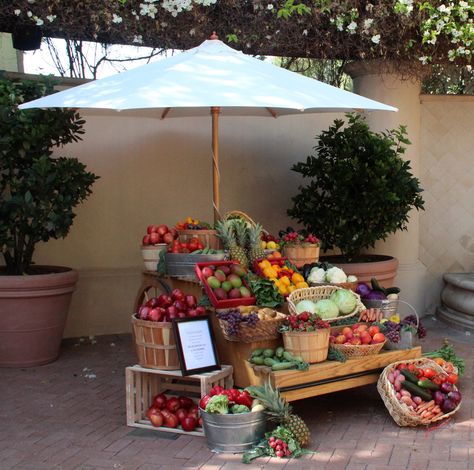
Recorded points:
(71, 415)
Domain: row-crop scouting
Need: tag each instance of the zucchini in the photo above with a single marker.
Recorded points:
(279, 352)
(392, 290)
(283, 365)
(257, 360)
(428, 384)
(377, 287)
(415, 390)
(268, 353)
(257, 352)
(409, 376)
(268, 361)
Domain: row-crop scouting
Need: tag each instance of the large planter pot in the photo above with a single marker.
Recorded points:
(33, 311)
(383, 268)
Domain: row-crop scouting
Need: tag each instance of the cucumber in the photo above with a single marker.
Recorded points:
(257, 360)
(268, 361)
(257, 352)
(284, 365)
(376, 286)
(298, 359)
(392, 290)
(409, 376)
(415, 390)
(279, 352)
(428, 384)
(268, 353)
(288, 356)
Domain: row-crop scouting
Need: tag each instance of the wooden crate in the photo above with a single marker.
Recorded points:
(143, 384)
(330, 376)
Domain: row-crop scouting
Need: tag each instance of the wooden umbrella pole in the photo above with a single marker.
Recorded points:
(215, 111)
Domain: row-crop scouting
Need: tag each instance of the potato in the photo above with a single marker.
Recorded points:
(406, 393)
(391, 378)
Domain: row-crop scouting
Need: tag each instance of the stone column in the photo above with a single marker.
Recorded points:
(373, 80)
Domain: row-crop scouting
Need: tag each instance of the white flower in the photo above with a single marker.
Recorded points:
(305, 32)
(375, 39)
(116, 19)
(369, 7)
(51, 18)
(424, 60)
(17, 12)
(138, 39)
(368, 23)
(39, 22)
(269, 6)
(29, 14)
(351, 27)
(192, 32)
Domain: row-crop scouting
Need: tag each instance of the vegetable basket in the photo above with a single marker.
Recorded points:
(318, 293)
(358, 350)
(343, 285)
(261, 331)
(402, 414)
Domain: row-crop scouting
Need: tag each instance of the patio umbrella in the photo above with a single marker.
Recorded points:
(211, 78)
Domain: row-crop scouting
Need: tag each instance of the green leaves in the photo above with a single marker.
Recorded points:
(360, 190)
(38, 192)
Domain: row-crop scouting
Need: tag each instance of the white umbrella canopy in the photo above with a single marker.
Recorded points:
(211, 78)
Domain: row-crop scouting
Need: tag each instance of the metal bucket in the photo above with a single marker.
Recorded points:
(388, 307)
(182, 264)
(233, 433)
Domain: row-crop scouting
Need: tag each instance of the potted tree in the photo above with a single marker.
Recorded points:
(360, 191)
(38, 196)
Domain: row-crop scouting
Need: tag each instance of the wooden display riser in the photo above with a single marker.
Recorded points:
(330, 376)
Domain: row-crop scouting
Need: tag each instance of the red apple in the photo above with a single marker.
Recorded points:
(143, 312)
(180, 305)
(146, 240)
(162, 229)
(153, 302)
(156, 419)
(220, 294)
(165, 300)
(332, 339)
(373, 330)
(171, 421)
(177, 294)
(355, 341)
(172, 404)
(168, 238)
(225, 270)
(192, 312)
(152, 410)
(182, 314)
(191, 301)
(201, 310)
(347, 332)
(207, 272)
(361, 328)
(181, 413)
(365, 337)
(154, 315)
(340, 339)
(174, 232)
(159, 401)
(378, 338)
(189, 423)
(155, 238)
(172, 310)
(151, 229)
(235, 294)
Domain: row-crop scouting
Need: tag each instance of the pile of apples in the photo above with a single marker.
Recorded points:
(358, 334)
(168, 306)
(173, 411)
(226, 281)
(159, 234)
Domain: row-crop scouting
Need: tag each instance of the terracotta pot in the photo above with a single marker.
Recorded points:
(300, 255)
(33, 311)
(383, 268)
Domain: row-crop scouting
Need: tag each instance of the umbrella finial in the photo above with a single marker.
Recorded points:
(214, 35)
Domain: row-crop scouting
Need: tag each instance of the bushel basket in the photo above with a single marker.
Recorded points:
(318, 293)
(402, 414)
(311, 346)
(260, 331)
(155, 344)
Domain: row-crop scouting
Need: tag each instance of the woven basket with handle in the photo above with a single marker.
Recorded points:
(402, 414)
(318, 293)
(358, 350)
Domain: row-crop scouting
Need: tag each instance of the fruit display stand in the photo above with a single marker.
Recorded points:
(329, 376)
(143, 384)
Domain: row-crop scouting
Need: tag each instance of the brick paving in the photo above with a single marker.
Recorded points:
(71, 415)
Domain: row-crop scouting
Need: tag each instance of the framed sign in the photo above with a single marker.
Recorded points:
(195, 345)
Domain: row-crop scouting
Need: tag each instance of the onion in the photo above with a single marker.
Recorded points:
(446, 387)
(448, 405)
(455, 396)
(363, 289)
(375, 295)
(438, 397)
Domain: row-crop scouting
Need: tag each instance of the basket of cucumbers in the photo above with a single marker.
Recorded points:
(272, 360)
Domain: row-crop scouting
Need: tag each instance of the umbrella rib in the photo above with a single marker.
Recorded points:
(272, 112)
(165, 112)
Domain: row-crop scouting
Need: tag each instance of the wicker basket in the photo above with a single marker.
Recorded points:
(343, 285)
(401, 413)
(206, 237)
(319, 293)
(155, 345)
(261, 331)
(312, 346)
(358, 350)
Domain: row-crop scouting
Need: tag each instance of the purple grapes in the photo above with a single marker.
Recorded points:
(233, 318)
(392, 331)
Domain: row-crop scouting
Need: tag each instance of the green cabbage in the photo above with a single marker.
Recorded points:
(306, 306)
(326, 309)
(345, 300)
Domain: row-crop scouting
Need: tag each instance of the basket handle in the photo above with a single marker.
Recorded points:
(414, 311)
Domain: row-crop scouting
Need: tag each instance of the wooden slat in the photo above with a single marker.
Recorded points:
(332, 369)
(145, 424)
(324, 389)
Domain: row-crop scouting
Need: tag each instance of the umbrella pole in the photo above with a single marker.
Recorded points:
(215, 111)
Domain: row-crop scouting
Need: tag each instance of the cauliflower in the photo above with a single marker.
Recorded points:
(236, 409)
(218, 404)
(335, 275)
(316, 275)
(351, 278)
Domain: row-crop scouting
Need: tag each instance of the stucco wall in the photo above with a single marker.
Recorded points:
(447, 175)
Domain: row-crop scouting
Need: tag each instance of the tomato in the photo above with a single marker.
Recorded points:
(402, 366)
(412, 368)
(440, 361)
(452, 378)
(437, 380)
(448, 367)
(429, 373)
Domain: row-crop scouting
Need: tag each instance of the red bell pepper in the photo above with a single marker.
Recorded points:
(216, 390)
(204, 401)
(244, 399)
(234, 393)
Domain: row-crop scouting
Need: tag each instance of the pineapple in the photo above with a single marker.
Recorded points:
(239, 252)
(226, 231)
(255, 250)
(279, 410)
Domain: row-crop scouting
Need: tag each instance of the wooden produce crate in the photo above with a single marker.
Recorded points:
(143, 384)
(329, 376)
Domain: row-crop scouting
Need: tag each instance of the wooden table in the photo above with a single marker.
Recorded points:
(330, 376)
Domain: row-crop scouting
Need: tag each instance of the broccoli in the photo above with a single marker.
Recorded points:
(236, 409)
(218, 404)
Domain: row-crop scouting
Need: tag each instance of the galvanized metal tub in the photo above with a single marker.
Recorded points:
(182, 264)
(233, 433)
(388, 307)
